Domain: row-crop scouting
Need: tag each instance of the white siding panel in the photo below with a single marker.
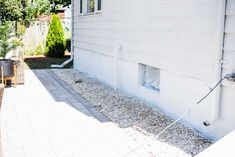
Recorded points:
(90, 64)
(229, 58)
(230, 24)
(227, 97)
(167, 28)
(230, 7)
(229, 43)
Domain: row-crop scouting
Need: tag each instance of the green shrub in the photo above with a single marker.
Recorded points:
(55, 43)
(67, 40)
(39, 50)
(68, 45)
(6, 34)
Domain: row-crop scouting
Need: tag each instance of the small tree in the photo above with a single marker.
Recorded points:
(55, 43)
(10, 10)
(33, 10)
(7, 41)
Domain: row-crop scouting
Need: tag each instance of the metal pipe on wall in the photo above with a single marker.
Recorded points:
(218, 64)
(117, 49)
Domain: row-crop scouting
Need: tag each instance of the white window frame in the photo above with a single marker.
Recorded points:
(85, 9)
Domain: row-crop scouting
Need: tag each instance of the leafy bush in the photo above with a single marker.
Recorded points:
(68, 45)
(21, 29)
(7, 41)
(29, 53)
(55, 43)
(67, 35)
(38, 51)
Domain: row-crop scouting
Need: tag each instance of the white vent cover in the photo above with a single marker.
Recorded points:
(149, 77)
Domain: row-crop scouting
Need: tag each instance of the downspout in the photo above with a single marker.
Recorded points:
(117, 49)
(72, 40)
(218, 64)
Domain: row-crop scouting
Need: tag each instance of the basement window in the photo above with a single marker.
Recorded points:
(149, 77)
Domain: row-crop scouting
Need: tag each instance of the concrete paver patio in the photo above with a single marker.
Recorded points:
(46, 118)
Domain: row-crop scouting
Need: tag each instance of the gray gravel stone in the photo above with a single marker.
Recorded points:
(127, 111)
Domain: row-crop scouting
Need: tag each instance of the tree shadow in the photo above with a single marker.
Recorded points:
(62, 92)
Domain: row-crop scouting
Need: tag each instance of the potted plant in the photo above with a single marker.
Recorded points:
(7, 44)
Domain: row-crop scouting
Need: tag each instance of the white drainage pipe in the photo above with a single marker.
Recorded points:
(117, 49)
(218, 66)
(63, 64)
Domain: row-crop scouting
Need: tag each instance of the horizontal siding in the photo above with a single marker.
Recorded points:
(158, 32)
(184, 40)
(230, 7)
(230, 61)
(142, 47)
(229, 43)
(228, 88)
(230, 24)
(229, 39)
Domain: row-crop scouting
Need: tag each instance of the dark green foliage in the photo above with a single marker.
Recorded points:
(10, 10)
(23, 10)
(68, 44)
(7, 41)
(56, 4)
(55, 43)
(27, 10)
(36, 9)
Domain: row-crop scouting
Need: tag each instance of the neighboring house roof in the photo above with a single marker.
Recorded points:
(48, 17)
(63, 13)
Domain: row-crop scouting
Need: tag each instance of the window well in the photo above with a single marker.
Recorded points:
(149, 77)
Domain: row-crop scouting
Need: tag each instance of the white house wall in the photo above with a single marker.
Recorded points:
(180, 37)
(227, 118)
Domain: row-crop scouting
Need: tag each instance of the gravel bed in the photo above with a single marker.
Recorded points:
(127, 111)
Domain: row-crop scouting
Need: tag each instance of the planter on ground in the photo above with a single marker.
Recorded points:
(8, 67)
(8, 70)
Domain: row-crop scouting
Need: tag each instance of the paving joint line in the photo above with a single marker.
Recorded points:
(89, 107)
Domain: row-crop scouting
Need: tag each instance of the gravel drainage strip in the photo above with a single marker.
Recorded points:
(130, 112)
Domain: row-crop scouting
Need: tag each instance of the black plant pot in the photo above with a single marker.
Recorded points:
(8, 67)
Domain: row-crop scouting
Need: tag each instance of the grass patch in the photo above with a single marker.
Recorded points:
(42, 62)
